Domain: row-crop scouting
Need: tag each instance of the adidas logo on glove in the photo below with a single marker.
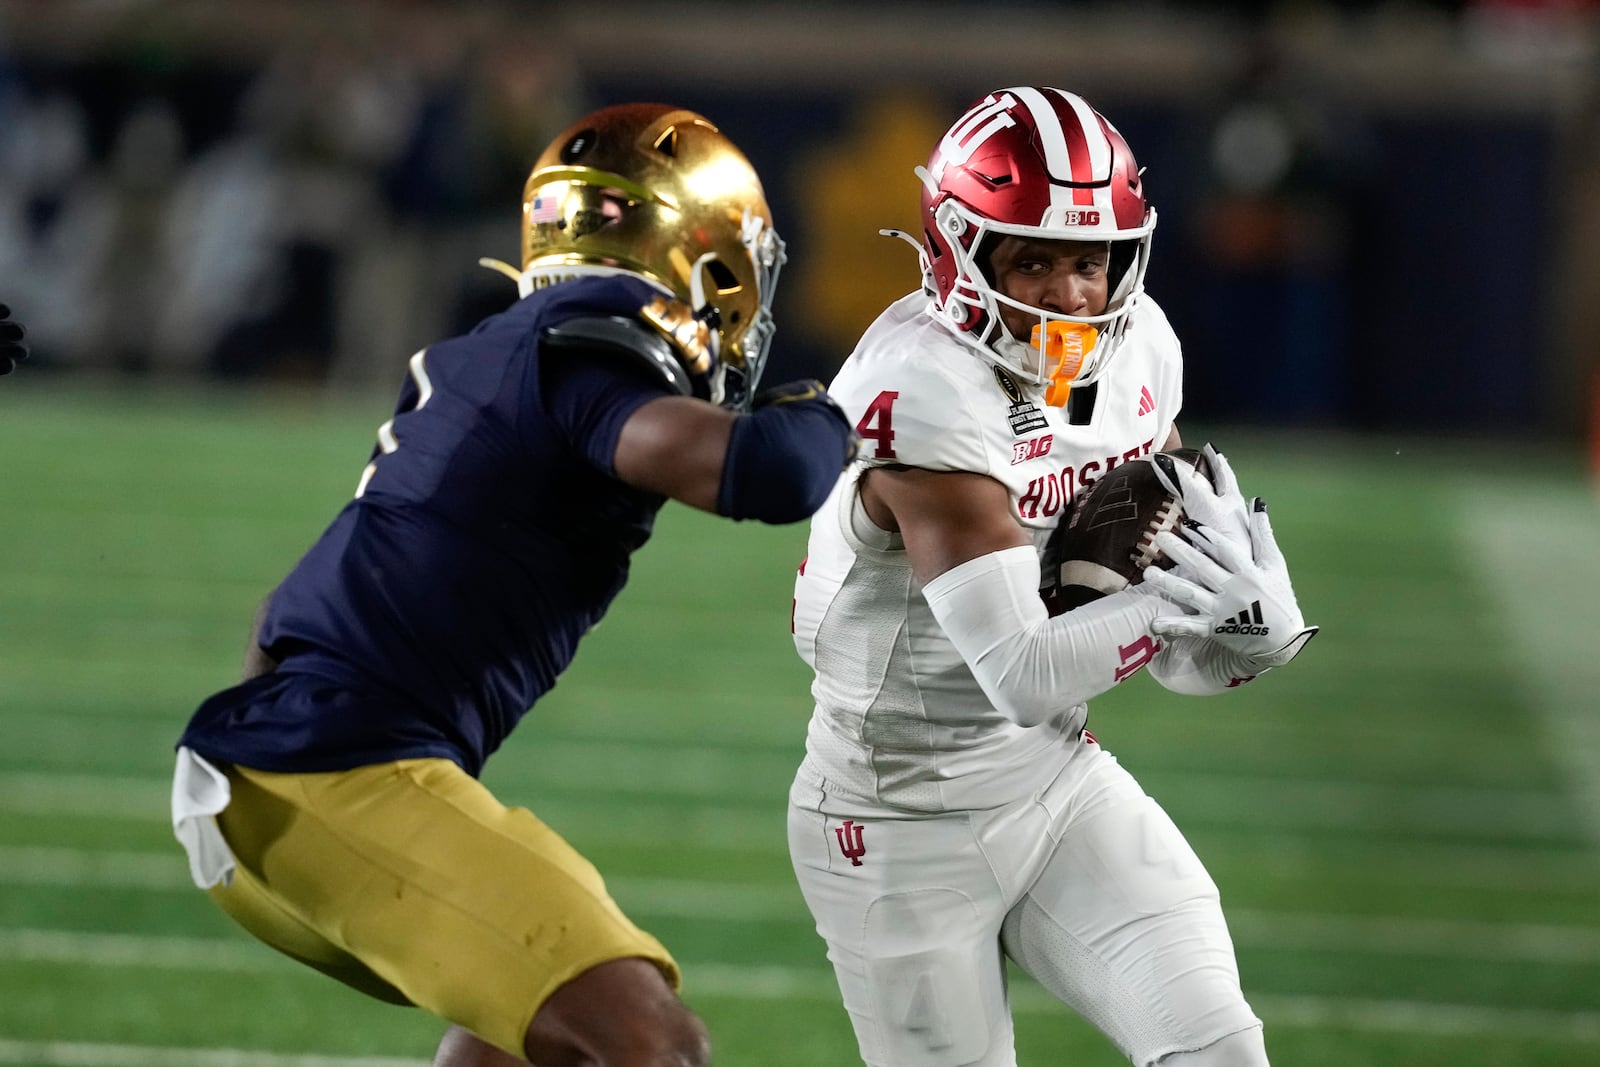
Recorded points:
(1247, 621)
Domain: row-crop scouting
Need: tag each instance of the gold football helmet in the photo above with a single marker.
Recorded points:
(658, 191)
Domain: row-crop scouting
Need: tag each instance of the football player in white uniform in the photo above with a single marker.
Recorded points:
(951, 810)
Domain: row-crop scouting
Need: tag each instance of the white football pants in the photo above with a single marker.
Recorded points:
(1087, 885)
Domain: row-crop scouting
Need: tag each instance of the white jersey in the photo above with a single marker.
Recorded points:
(899, 719)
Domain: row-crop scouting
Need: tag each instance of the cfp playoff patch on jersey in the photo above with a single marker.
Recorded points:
(1024, 415)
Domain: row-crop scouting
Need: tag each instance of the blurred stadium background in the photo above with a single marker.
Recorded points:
(226, 226)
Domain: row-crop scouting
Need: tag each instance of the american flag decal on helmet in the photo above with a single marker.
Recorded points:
(544, 209)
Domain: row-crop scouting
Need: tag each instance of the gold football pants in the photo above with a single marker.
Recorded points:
(410, 882)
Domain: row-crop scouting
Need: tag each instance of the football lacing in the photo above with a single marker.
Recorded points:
(1145, 553)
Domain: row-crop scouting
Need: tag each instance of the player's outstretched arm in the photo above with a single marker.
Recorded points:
(776, 463)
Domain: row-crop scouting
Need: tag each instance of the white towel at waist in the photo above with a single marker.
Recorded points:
(199, 794)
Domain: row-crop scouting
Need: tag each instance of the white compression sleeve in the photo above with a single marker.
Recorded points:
(1029, 664)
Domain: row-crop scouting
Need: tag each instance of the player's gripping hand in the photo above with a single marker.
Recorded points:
(1239, 594)
(12, 348)
(1213, 505)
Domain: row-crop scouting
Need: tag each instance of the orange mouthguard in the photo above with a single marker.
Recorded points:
(1067, 343)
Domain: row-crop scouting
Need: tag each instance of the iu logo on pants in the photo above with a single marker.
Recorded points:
(850, 842)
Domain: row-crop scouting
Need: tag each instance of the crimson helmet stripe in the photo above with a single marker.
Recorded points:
(1076, 152)
(1098, 149)
(1058, 154)
(1095, 144)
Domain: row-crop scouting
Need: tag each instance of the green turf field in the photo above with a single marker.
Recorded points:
(1405, 825)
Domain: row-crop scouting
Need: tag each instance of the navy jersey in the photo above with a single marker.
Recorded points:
(489, 534)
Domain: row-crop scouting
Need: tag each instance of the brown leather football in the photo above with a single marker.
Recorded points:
(1106, 542)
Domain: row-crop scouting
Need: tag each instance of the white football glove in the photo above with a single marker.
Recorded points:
(1198, 666)
(1215, 504)
(1239, 593)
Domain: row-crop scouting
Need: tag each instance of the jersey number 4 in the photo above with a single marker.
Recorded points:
(877, 424)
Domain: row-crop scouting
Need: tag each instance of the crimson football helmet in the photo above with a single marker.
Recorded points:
(1032, 162)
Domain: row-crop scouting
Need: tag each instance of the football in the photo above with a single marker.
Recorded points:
(1106, 542)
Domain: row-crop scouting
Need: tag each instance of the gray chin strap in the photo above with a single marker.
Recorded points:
(1018, 357)
(698, 303)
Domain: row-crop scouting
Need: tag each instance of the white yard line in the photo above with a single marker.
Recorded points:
(85, 1054)
(74, 868)
(102, 796)
(727, 902)
(1533, 814)
(729, 981)
(1394, 935)
(1415, 1018)
(162, 953)
(1539, 558)
(1411, 863)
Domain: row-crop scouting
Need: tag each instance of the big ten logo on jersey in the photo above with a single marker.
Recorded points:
(1024, 415)
(1032, 448)
(1053, 491)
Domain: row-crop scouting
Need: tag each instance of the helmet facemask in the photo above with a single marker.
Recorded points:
(973, 297)
(735, 381)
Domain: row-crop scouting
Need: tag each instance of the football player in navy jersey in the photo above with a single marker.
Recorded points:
(330, 803)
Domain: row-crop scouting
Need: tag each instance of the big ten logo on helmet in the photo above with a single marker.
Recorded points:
(1080, 218)
(1053, 492)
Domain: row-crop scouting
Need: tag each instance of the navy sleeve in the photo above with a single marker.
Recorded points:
(589, 400)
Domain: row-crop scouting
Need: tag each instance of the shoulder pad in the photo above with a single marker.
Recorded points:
(625, 336)
(914, 414)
